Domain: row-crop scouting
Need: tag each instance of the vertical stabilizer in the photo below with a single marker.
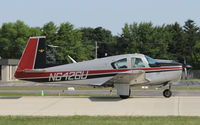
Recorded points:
(28, 57)
(34, 55)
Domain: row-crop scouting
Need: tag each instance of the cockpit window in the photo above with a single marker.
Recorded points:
(137, 63)
(120, 64)
(150, 60)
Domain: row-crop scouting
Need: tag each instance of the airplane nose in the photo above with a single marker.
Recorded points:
(186, 67)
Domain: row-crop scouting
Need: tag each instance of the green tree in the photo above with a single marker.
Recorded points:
(7, 32)
(144, 38)
(176, 46)
(191, 38)
(196, 55)
(49, 30)
(13, 39)
(69, 42)
(159, 42)
(100, 35)
(35, 31)
(166, 41)
(127, 42)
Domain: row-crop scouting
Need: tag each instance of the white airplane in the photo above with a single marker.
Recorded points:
(121, 71)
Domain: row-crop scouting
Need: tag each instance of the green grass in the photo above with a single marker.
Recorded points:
(99, 120)
(82, 95)
(190, 80)
(91, 88)
(22, 94)
(185, 88)
(51, 88)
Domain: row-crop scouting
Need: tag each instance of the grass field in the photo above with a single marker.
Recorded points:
(90, 88)
(99, 120)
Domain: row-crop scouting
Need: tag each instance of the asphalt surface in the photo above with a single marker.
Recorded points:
(63, 89)
(98, 106)
(141, 103)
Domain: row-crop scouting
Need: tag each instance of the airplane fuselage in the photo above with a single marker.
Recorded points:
(121, 71)
(98, 71)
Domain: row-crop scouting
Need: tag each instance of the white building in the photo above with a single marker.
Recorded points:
(7, 69)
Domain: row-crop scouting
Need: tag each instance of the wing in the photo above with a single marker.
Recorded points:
(134, 77)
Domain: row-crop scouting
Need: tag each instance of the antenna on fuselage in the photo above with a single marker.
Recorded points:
(52, 46)
(96, 49)
(72, 59)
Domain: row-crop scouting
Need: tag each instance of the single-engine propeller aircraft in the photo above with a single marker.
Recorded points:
(121, 71)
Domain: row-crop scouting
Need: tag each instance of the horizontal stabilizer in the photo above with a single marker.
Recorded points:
(34, 70)
(33, 57)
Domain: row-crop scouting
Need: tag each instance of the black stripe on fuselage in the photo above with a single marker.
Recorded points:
(162, 70)
(64, 79)
(91, 76)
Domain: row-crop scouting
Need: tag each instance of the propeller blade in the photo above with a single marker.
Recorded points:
(186, 73)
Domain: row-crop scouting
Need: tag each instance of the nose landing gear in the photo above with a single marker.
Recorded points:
(167, 92)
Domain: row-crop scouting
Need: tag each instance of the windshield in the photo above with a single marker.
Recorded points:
(150, 60)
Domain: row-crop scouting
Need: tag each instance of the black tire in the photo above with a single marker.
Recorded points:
(126, 96)
(167, 93)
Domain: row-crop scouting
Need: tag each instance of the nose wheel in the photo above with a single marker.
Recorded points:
(167, 93)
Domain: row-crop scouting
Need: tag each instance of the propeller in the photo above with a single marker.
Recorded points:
(186, 67)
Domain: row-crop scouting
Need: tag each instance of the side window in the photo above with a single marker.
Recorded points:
(137, 63)
(120, 64)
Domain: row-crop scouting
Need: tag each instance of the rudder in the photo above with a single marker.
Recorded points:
(34, 55)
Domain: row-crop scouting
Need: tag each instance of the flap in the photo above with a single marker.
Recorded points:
(131, 77)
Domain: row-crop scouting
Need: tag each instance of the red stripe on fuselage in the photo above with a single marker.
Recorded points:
(124, 70)
(90, 72)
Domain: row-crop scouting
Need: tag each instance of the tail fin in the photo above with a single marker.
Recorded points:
(34, 55)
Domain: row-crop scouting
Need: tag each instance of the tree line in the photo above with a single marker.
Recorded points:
(169, 41)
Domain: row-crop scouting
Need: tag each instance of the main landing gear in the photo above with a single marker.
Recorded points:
(123, 90)
(167, 92)
(125, 96)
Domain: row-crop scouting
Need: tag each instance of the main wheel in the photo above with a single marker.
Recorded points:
(126, 96)
(167, 93)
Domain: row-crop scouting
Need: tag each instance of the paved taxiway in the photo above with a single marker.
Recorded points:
(134, 93)
(67, 106)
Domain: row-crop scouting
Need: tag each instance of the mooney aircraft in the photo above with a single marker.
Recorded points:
(121, 71)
